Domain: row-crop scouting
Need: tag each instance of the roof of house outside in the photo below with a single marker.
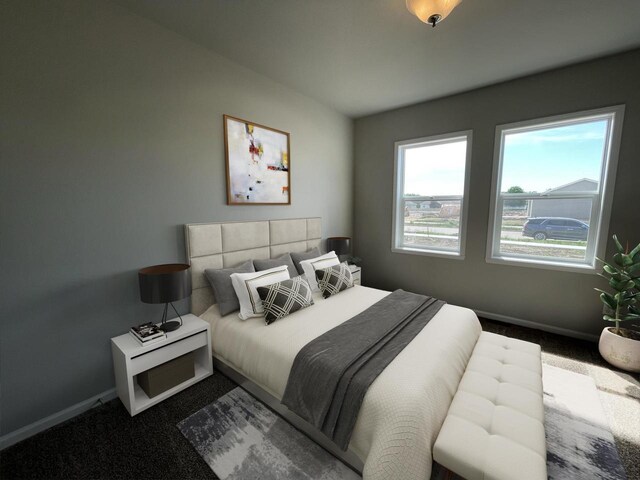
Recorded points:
(566, 186)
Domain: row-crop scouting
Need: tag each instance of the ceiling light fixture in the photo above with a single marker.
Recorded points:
(432, 11)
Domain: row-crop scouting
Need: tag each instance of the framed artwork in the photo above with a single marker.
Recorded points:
(258, 163)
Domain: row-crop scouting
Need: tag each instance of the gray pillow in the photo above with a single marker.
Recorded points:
(276, 262)
(300, 257)
(223, 292)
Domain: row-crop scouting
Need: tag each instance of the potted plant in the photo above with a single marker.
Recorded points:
(621, 346)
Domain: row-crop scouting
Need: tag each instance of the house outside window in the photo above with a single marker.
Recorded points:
(574, 208)
(552, 190)
(430, 191)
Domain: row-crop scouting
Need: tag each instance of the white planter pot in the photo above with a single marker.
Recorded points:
(620, 352)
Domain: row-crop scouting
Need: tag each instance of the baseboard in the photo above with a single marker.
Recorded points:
(538, 326)
(38, 426)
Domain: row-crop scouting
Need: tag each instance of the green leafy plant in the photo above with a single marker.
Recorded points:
(515, 203)
(353, 260)
(623, 276)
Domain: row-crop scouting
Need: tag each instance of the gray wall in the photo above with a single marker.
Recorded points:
(111, 139)
(560, 299)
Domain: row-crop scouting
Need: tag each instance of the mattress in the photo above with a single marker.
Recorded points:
(405, 406)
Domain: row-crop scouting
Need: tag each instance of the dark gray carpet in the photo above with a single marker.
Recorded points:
(107, 443)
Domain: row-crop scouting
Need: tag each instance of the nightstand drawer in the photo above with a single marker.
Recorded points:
(356, 274)
(145, 361)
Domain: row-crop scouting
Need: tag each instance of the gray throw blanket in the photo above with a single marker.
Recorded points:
(331, 374)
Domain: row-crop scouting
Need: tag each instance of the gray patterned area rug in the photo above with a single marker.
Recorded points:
(240, 438)
(579, 442)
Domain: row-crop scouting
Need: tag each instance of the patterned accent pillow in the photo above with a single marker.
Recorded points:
(246, 287)
(334, 279)
(310, 266)
(283, 298)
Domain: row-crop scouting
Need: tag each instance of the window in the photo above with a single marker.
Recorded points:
(430, 190)
(552, 189)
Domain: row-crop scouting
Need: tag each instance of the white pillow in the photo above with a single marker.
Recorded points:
(310, 266)
(246, 284)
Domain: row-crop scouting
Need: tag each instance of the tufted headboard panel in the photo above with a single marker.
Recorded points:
(223, 245)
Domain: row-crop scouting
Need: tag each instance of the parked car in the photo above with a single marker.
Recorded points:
(558, 228)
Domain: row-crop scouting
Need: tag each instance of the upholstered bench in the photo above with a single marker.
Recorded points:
(495, 426)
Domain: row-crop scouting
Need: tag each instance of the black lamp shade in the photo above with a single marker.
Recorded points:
(164, 283)
(340, 245)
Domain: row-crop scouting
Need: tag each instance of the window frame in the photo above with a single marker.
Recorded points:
(397, 230)
(602, 199)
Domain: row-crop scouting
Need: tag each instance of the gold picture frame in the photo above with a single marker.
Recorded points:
(258, 163)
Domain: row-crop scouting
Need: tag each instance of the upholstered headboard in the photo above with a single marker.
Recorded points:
(223, 245)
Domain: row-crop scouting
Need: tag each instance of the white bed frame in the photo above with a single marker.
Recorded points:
(464, 445)
(223, 245)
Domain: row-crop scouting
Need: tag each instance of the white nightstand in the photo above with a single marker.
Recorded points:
(356, 273)
(130, 358)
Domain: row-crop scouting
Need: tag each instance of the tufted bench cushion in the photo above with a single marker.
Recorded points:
(495, 426)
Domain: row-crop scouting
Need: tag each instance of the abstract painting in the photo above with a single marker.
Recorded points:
(258, 163)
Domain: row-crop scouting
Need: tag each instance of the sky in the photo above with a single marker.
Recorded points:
(536, 160)
(435, 169)
(544, 159)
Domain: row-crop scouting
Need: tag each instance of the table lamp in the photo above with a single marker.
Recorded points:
(165, 284)
(340, 245)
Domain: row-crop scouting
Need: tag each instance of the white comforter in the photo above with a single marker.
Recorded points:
(405, 406)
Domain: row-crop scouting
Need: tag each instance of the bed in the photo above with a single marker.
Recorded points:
(412, 402)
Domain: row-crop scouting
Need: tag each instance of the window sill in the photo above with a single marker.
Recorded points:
(547, 265)
(428, 253)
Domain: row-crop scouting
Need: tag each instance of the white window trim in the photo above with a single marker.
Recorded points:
(397, 231)
(597, 237)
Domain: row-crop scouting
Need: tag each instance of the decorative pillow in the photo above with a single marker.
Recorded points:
(246, 284)
(334, 279)
(283, 298)
(310, 266)
(276, 262)
(220, 280)
(300, 257)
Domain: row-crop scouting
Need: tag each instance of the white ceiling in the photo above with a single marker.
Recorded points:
(364, 56)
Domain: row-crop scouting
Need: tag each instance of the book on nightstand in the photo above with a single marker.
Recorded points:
(147, 333)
